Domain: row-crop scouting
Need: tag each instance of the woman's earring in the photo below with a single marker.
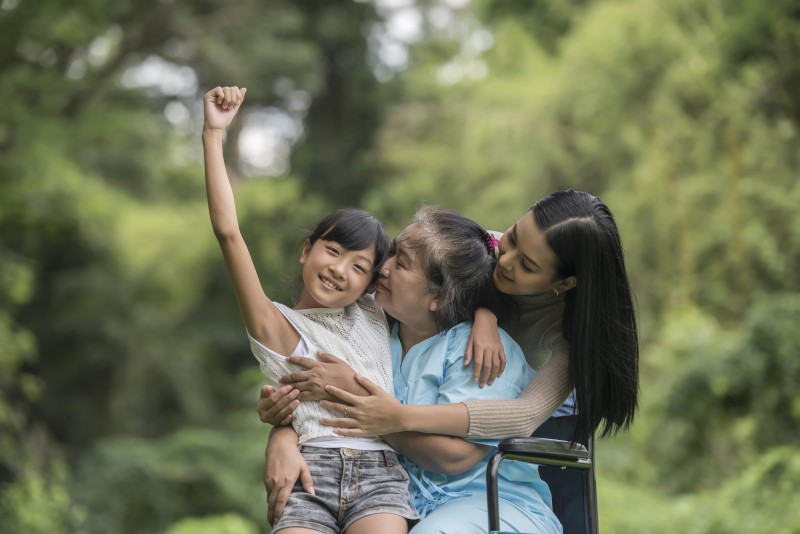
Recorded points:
(556, 292)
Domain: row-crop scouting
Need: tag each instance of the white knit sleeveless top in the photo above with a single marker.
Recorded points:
(357, 334)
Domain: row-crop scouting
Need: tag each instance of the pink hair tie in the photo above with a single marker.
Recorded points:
(492, 243)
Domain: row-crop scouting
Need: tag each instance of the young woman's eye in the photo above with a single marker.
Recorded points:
(333, 250)
(361, 269)
(526, 268)
(512, 239)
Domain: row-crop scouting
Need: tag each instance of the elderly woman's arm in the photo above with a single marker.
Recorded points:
(441, 454)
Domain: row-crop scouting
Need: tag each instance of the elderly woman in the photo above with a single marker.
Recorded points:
(439, 274)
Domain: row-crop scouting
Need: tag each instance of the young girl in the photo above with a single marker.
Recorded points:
(359, 485)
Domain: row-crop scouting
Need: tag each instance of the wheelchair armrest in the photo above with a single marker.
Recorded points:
(546, 451)
(541, 451)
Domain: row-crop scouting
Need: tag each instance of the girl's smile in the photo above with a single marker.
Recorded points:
(327, 282)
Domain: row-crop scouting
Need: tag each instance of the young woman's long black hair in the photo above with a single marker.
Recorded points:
(599, 320)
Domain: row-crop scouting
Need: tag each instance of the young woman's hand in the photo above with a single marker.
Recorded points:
(485, 348)
(374, 415)
(220, 106)
(283, 467)
(326, 370)
(275, 407)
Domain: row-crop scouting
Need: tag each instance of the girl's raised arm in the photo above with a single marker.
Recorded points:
(262, 318)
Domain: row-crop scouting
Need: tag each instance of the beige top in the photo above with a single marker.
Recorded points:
(358, 334)
(538, 331)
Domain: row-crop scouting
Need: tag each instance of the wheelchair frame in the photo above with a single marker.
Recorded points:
(542, 451)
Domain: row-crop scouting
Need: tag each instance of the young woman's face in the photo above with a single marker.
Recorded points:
(333, 276)
(401, 289)
(526, 263)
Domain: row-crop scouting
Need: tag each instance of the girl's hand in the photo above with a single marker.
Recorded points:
(375, 415)
(485, 348)
(327, 370)
(220, 106)
(276, 407)
(283, 467)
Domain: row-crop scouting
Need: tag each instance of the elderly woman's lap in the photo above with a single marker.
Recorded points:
(469, 515)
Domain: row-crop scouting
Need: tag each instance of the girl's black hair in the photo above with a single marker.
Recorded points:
(457, 259)
(599, 320)
(354, 229)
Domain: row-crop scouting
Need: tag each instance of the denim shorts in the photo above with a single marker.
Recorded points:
(349, 484)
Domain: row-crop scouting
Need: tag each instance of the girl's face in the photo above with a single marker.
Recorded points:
(401, 289)
(526, 263)
(333, 276)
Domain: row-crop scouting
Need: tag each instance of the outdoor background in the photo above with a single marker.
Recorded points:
(127, 390)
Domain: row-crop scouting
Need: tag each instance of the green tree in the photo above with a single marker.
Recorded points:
(118, 321)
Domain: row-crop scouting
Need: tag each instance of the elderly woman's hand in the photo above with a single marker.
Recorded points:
(275, 407)
(326, 370)
(375, 415)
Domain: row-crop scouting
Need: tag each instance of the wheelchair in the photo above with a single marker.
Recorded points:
(568, 471)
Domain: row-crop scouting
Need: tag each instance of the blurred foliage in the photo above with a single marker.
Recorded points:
(759, 498)
(37, 504)
(192, 470)
(733, 416)
(126, 385)
(223, 524)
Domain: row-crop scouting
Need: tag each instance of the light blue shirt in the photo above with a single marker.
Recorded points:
(433, 372)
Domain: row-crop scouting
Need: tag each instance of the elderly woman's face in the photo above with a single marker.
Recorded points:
(401, 289)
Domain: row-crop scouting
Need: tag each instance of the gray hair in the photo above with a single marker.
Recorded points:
(457, 260)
